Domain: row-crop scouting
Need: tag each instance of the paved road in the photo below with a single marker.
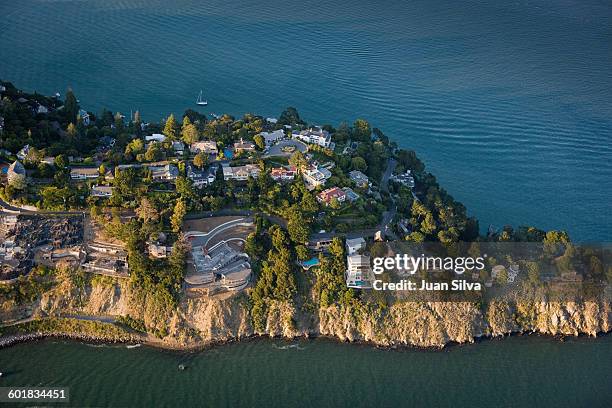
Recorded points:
(384, 183)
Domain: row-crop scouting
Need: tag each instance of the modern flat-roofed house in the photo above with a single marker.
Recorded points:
(168, 172)
(283, 174)
(316, 177)
(326, 196)
(271, 138)
(315, 135)
(101, 191)
(241, 173)
(354, 245)
(155, 137)
(84, 173)
(204, 146)
(243, 146)
(360, 179)
(358, 273)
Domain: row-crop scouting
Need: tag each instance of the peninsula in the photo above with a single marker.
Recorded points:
(209, 228)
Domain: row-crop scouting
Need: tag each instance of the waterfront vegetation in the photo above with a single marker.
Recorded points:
(286, 214)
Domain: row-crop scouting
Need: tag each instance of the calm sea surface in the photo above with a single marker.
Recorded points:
(515, 372)
(509, 102)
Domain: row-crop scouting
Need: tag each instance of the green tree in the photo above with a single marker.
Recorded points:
(259, 142)
(180, 210)
(359, 163)
(200, 160)
(71, 106)
(362, 130)
(170, 127)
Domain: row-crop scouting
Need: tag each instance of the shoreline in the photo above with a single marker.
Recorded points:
(15, 339)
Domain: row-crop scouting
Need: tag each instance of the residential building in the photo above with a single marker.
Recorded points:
(350, 194)
(16, 174)
(101, 191)
(157, 250)
(283, 174)
(327, 196)
(272, 120)
(178, 147)
(155, 137)
(42, 109)
(405, 179)
(84, 117)
(240, 173)
(202, 178)
(243, 146)
(84, 173)
(23, 153)
(360, 179)
(315, 177)
(204, 146)
(359, 272)
(354, 245)
(315, 135)
(168, 172)
(271, 138)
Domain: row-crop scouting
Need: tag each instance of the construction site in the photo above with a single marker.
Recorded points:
(217, 263)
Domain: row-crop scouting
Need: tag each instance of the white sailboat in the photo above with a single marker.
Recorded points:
(200, 101)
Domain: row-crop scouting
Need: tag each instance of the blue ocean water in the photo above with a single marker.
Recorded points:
(509, 103)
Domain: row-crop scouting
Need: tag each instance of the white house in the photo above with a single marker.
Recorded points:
(315, 135)
(84, 117)
(354, 245)
(155, 137)
(359, 273)
(271, 138)
(101, 191)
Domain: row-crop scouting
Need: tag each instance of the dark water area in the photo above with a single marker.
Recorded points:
(518, 371)
(508, 103)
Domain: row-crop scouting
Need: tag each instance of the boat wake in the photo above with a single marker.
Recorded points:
(288, 347)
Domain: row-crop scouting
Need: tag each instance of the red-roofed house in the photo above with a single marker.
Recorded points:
(326, 196)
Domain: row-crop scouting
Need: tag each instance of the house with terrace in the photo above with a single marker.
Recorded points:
(315, 177)
(314, 135)
(101, 191)
(244, 146)
(84, 173)
(168, 172)
(241, 173)
(283, 174)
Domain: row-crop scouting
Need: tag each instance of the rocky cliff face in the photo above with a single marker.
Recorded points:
(425, 324)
